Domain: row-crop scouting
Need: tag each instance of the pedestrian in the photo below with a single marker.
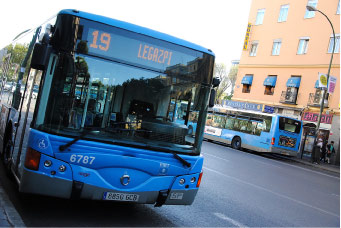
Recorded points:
(317, 156)
(330, 151)
(323, 151)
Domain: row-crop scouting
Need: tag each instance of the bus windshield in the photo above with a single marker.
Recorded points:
(128, 104)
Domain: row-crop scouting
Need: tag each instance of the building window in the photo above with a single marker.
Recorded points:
(310, 14)
(303, 46)
(283, 13)
(253, 50)
(246, 88)
(260, 17)
(338, 8)
(269, 90)
(247, 82)
(337, 44)
(290, 95)
(270, 83)
(276, 47)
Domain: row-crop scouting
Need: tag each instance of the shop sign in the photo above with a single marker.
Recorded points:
(331, 84)
(269, 109)
(323, 80)
(313, 117)
(247, 36)
(243, 105)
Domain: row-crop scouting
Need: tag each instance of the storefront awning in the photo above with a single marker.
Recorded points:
(247, 79)
(270, 81)
(294, 82)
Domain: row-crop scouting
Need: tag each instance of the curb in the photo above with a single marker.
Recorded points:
(10, 213)
(330, 168)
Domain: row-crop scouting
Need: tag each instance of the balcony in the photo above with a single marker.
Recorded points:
(288, 97)
(315, 100)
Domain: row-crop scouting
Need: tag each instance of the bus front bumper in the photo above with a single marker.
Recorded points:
(42, 184)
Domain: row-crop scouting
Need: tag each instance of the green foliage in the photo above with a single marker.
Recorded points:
(18, 52)
(227, 80)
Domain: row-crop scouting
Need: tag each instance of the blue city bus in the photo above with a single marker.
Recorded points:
(97, 127)
(256, 131)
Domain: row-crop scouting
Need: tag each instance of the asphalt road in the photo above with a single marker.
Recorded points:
(238, 189)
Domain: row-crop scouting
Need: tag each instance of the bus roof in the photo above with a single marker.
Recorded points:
(248, 111)
(135, 28)
(215, 108)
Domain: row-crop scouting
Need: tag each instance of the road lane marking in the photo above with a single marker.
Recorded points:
(309, 170)
(216, 157)
(224, 217)
(280, 162)
(275, 193)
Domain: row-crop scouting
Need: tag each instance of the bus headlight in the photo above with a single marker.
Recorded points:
(62, 168)
(47, 163)
(182, 181)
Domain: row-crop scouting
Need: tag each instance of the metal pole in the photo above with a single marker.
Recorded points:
(315, 148)
(330, 65)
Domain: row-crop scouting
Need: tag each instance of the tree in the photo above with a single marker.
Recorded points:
(233, 77)
(227, 80)
(18, 53)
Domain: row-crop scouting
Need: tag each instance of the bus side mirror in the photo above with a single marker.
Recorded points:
(212, 98)
(40, 56)
(216, 82)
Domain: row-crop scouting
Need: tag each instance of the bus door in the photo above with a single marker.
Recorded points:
(4, 98)
(23, 119)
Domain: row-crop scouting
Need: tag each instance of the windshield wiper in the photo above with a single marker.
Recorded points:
(84, 133)
(183, 161)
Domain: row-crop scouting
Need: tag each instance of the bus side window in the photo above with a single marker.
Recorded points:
(256, 130)
(249, 127)
(193, 117)
(218, 121)
(229, 123)
(209, 120)
(236, 126)
(243, 126)
(267, 124)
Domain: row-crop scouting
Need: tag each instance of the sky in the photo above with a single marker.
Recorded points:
(219, 25)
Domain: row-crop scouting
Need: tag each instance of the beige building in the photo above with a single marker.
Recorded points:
(286, 47)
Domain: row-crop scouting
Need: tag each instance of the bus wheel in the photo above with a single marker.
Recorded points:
(6, 155)
(236, 143)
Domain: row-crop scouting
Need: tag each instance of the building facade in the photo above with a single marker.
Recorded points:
(286, 48)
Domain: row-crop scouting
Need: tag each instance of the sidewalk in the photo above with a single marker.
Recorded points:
(323, 166)
(9, 217)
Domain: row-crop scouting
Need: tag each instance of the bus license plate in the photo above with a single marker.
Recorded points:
(121, 196)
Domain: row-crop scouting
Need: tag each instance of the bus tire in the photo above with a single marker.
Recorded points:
(6, 155)
(236, 143)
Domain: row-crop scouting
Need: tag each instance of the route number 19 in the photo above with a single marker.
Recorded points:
(104, 40)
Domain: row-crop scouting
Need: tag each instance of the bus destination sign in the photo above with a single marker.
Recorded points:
(128, 48)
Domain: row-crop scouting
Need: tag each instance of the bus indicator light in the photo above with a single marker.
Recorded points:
(32, 159)
(199, 180)
(273, 141)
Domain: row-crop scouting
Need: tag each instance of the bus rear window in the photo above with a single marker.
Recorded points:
(289, 125)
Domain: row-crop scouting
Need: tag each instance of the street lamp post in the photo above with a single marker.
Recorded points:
(311, 8)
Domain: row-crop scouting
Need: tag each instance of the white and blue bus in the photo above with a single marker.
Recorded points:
(92, 120)
(256, 131)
